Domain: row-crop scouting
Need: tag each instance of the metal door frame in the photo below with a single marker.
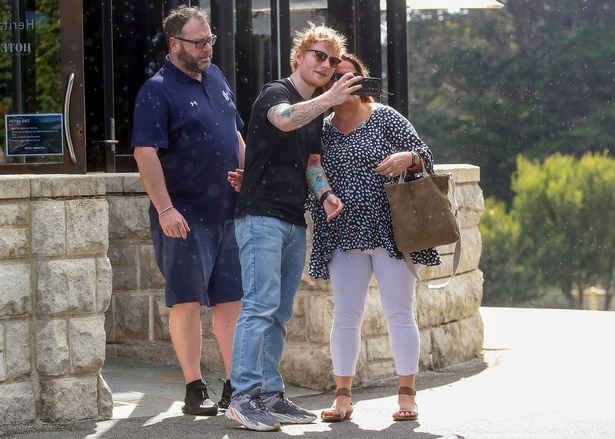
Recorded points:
(71, 43)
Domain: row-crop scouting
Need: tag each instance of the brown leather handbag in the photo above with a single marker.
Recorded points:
(423, 216)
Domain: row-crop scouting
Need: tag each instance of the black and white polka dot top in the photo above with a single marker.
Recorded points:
(349, 161)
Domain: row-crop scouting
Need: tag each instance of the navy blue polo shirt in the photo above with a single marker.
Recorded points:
(194, 126)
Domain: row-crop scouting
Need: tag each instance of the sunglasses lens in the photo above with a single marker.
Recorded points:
(322, 57)
(334, 62)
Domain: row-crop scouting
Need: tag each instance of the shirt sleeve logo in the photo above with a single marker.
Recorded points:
(226, 95)
(193, 103)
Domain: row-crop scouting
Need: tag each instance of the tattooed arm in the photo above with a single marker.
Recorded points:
(316, 178)
(287, 117)
(318, 184)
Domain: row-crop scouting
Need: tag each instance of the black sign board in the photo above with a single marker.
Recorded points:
(34, 134)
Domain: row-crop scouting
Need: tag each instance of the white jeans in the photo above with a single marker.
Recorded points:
(351, 273)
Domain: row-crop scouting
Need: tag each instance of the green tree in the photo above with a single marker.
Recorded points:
(507, 280)
(565, 207)
(533, 78)
(48, 80)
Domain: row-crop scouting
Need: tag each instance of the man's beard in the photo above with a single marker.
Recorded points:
(191, 63)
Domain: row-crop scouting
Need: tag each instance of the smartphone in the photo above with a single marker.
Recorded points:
(370, 86)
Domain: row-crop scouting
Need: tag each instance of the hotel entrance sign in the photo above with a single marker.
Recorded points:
(34, 134)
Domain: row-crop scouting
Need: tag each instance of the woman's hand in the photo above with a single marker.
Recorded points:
(396, 164)
(235, 178)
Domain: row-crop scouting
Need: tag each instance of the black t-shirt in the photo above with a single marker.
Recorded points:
(274, 182)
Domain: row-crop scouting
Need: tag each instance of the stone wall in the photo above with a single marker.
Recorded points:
(55, 284)
(450, 326)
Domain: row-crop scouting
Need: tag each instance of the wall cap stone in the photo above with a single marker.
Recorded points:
(462, 173)
(50, 185)
(123, 182)
(14, 186)
(64, 185)
(130, 182)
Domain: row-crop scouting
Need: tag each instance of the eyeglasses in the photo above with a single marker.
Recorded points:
(322, 57)
(200, 44)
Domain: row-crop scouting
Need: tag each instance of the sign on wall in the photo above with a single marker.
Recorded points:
(34, 134)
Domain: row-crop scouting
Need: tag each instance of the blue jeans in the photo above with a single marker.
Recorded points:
(272, 256)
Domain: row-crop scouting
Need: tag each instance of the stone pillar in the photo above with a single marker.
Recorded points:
(449, 320)
(55, 285)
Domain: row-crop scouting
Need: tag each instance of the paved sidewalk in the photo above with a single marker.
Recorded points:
(545, 374)
(143, 389)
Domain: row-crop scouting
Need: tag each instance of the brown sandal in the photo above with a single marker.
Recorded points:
(331, 414)
(406, 415)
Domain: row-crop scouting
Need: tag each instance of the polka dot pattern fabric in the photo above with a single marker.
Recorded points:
(349, 161)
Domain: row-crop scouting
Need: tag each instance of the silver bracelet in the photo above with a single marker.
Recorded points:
(164, 210)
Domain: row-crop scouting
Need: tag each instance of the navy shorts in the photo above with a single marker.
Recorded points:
(203, 268)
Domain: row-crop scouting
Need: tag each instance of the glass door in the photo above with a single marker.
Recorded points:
(42, 117)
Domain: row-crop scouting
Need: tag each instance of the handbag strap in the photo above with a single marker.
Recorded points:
(457, 251)
(456, 259)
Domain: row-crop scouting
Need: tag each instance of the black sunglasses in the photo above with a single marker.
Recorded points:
(322, 57)
(337, 76)
(200, 44)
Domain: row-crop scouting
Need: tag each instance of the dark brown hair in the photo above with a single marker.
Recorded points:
(174, 23)
(360, 68)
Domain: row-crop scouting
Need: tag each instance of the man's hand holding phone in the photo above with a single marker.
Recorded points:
(345, 85)
(369, 86)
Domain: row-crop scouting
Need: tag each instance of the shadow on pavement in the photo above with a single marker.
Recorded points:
(371, 419)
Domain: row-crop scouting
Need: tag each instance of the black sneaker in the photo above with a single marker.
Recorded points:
(227, 392)
(197, 400)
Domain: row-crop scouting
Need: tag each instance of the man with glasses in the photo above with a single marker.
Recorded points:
(185, 141)
(282, 161)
